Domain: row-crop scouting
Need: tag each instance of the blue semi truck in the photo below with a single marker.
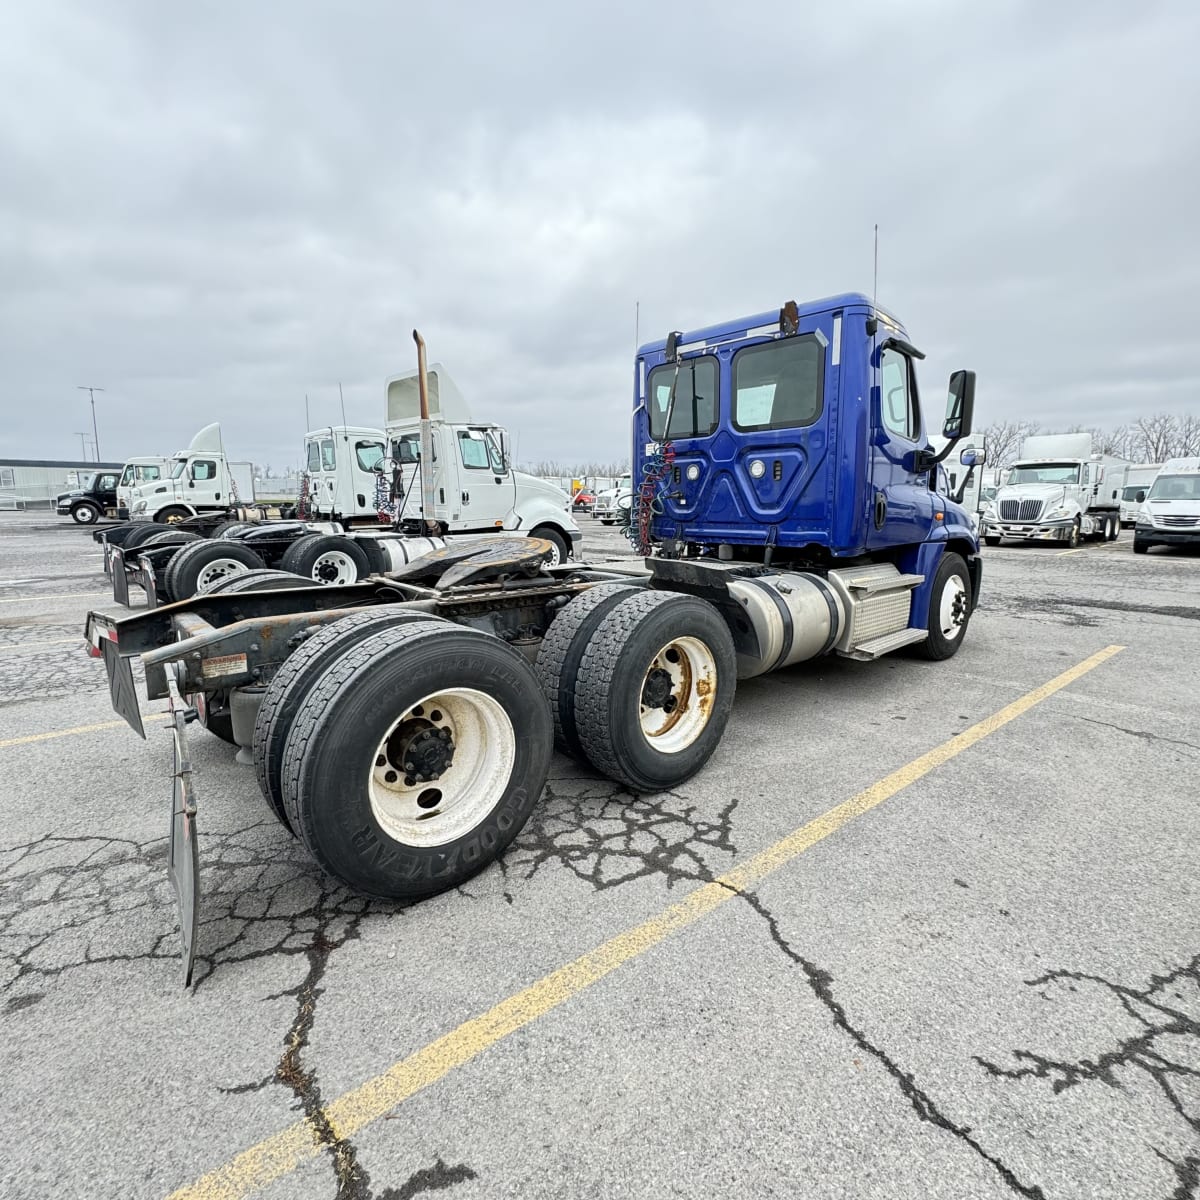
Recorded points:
(786, 504)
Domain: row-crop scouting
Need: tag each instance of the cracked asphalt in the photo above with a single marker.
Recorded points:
(987, 986)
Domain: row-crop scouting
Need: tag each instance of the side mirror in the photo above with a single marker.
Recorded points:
(960, 405)
(972, 458)
(1141, 497)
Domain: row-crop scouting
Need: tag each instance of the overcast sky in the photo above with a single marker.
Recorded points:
(210, 210)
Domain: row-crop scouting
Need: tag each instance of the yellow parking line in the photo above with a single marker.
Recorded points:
(60, 596)
(80, 640)
(281, 1153)
(1081, 550)
(59, 733)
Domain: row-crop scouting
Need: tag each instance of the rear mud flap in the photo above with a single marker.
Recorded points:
(121, 686)
(120, 580)
(183, 862)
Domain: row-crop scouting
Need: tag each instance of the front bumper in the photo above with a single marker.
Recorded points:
(1166, 537)
(1049, 531)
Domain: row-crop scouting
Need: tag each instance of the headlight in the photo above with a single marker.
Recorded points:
(140, 506)
(1143, 521)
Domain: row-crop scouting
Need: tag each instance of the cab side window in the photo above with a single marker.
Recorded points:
(898, 396)
(473, 449)
(202, 468)
(369, 455)
(314, 456)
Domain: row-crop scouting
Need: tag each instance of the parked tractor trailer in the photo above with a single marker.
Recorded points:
(1060, 489)
(785, 494)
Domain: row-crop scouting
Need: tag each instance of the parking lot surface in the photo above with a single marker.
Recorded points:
(918, 929)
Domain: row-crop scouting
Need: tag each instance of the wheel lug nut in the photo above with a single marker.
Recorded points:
(391, 777)
(379, 762)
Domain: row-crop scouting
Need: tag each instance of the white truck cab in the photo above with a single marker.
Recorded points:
(343, 464)
(201, 479)
(1170, 515)
(472, 484)
(138, 471)
(607, 508)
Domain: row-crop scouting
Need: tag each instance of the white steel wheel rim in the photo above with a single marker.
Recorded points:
(554, 557)
(952, 611)
(691, 672)
(218, 569)
(434, 811)
(86, 514)
(335, 567)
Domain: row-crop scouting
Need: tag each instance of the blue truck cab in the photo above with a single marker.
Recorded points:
(794, 441)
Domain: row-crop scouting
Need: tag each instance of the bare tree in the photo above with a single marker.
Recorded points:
(1188, 444)
(1157, 437)
(1004, 440)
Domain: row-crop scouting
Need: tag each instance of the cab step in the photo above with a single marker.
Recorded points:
(888, 580)
(879, 646)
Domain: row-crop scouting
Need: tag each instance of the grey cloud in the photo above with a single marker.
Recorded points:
(213, 211)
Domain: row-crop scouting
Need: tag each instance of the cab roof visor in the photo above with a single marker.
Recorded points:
(895, 343)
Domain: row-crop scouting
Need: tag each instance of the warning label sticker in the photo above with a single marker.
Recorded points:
(224, 664)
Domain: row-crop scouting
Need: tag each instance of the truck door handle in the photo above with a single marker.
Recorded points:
(880, 509)
(466, 497)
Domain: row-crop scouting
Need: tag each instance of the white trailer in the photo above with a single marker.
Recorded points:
(1059, 490)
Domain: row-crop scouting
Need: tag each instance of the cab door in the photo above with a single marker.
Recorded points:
(204, 482)
(902, 502)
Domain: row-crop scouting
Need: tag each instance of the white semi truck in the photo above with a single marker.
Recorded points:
(1059, 490)
(201, 480)
(342, 468)
(471, 485)
(136, 473)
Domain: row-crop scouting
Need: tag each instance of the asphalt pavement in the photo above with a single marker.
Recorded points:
(927, 930)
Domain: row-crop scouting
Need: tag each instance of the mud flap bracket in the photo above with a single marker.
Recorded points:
(183, 861)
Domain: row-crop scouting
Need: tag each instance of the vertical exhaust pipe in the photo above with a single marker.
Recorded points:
(426, 464)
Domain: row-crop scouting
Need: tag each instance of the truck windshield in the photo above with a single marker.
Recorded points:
(695, 411)
(178, 469)
(127, 476)
(1176, 487)
(1131, 493)
(1044, 473)
(148, 474)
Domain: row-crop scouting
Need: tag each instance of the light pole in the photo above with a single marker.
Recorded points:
(91, 391)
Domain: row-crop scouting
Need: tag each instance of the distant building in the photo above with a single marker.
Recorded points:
(34, 483)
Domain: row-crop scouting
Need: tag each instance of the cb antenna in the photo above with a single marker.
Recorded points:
(343, 400)
(637, 324)
(873, 319)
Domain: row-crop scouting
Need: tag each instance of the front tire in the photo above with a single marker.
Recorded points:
(1074, 537)
(416, 758)
(85, 514)
(654, 690)
(172, 515)
(1140, 547)
(562, 551)
(991, 540)
(949, 609)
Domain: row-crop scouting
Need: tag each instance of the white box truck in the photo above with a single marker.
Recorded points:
(1138, 479)
(1059, 489)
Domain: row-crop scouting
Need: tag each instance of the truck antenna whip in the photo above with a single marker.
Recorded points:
(873, 319)
(343, 400)
(637, 323)
(307, 418)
